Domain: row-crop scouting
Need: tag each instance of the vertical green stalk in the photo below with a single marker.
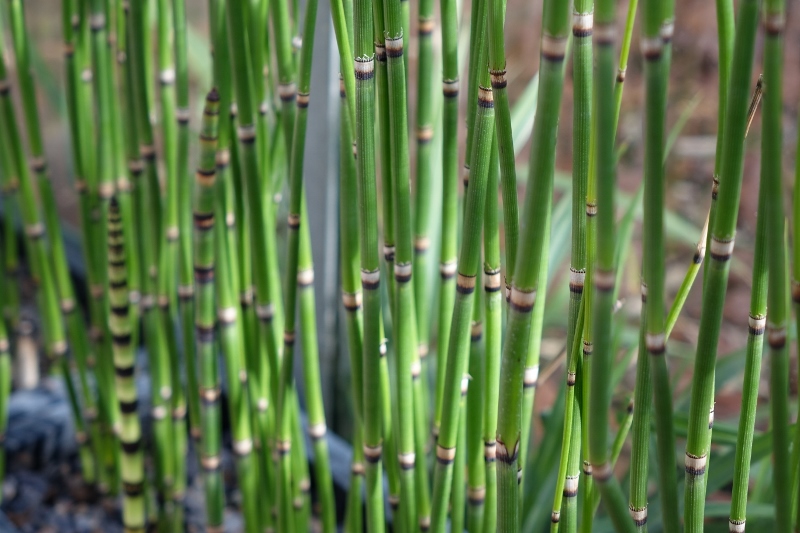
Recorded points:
(404, 321)
(168, 257)
(449, 231)
(493, 301)
(582, 27)
(604, 274)
(656, 74)
(299, 279)
(130, 434)
(76, 113)
(106, 165)
(725, 35)
(468, 264)
(155, 334)
(640, 442)
(757, 323)
(364, 67)
(204, 320)
(473, 412)
(458, 494)
(530, 375)
(424, 175)
(771, 177)
(183, 176)
(723, 231)
(568, 479)
(527, 271)
(350, 258)
(384, 162)
(505, 142)
(569, 506)
(231, 342)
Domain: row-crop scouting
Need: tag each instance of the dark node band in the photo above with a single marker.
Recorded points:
(123, 339)
(204, 274)
(131, 447)
(133, 489)
(128, 408)
(204, 333)
(124, 371)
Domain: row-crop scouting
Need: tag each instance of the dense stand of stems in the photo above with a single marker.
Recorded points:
(527, 273)
(723, 230)
(67, 303)
(299, 279)
(156, 339)
(77, 117)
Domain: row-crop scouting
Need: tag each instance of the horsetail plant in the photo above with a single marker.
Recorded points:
(449, 230)
(723, 231)
(185, 286)
(656, 73)
(778, 304)
(458, 345)
(15, 170)
(351, 300)
(231, 342)
(299, 279)
(604, 269)
(364, 67)
(525, 281)
(757, 322)
(76, 115)
(150, 229)
(567, 480)
(208, 375)
(471, 452)
(404, 320)
(424, 174)
(229, 29)
(63, 284)
(130, 434)
(505, 143)
(170, 249)
(493, 299)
